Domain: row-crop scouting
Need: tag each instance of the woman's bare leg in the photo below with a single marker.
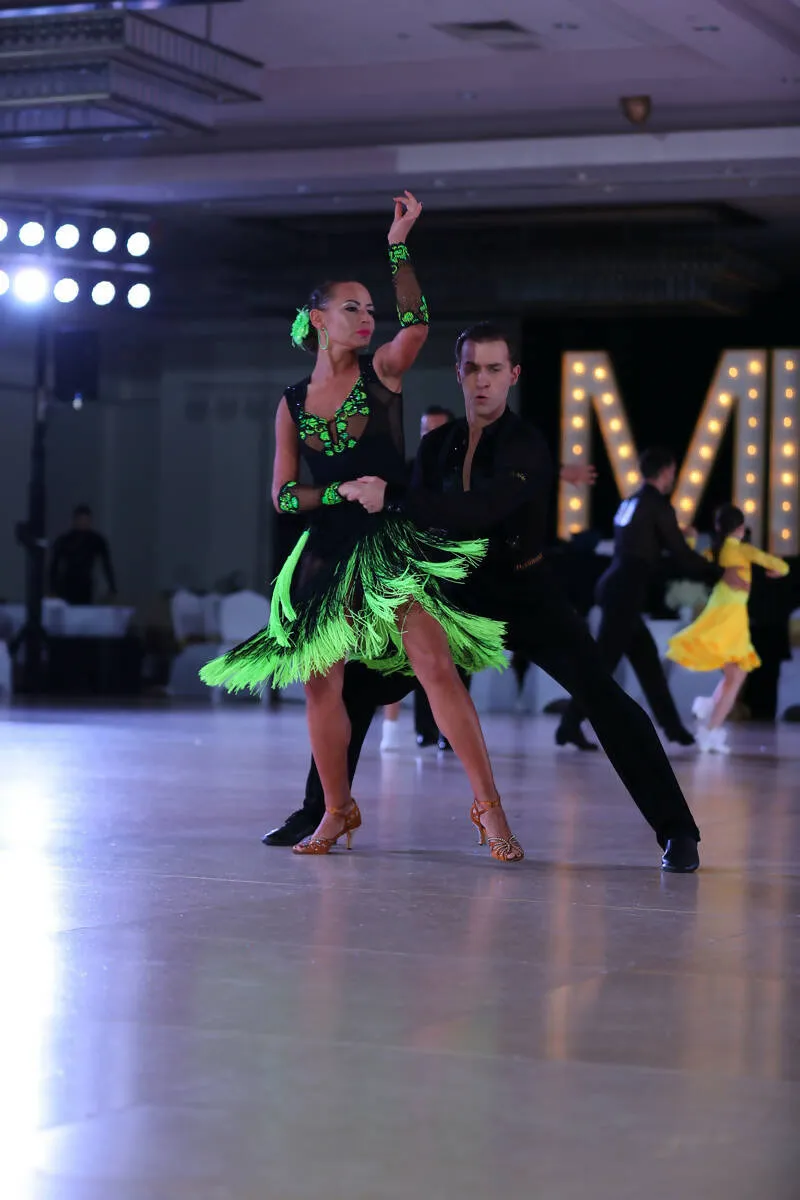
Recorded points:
(726, 693)
(329, 731)
(429, 653)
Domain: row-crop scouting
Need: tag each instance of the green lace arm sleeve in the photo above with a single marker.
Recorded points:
(412, 307)
(295, 497)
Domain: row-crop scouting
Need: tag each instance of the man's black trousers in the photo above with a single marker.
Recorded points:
(543, 625)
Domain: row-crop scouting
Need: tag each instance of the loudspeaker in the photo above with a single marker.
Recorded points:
(76, 365)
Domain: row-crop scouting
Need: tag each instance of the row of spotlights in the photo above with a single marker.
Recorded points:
(30, 286)
(32, 234)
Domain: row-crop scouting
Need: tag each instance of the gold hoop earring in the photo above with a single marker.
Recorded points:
(323, 346)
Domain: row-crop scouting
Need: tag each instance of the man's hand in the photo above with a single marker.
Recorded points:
(579, 473)
(369, 491)
(689, 532)
(774, 574)
(734, 580)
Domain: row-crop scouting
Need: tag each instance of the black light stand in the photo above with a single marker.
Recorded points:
(31, 533)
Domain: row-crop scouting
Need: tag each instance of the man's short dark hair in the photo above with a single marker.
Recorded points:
(487, 331)
(81, 510)
(436, 410)
(655, 460)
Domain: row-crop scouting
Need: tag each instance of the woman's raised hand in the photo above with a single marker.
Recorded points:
(406, 213)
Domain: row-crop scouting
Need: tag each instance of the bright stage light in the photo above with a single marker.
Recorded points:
(3, 229)
(104, 292)
(66, 290)
(138, 244)
(32, 233)
(139, 295)
(67, 236)
(5, 283)
(30, 285)
(104, 240)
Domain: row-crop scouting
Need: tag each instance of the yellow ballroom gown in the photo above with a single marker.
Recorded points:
(721, 634)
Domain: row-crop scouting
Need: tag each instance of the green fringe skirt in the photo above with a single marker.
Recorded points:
(352, 608)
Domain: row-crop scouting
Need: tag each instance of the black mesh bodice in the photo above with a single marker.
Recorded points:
(364, 438)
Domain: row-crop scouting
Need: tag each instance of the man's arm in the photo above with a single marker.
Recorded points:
(688, 561)
(104, 554)
(522, 473)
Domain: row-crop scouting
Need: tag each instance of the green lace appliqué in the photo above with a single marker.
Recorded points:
(331, 495)
(287, 499)
(420, 317)
(356, 405)
(398, 253)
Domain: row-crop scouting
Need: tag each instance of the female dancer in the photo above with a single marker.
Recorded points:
(359, 585)
(720, 637)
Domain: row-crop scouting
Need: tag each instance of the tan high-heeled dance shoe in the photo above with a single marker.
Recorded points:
(504, 849)
(351, 821)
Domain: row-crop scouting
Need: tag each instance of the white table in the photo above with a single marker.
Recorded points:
(66, 620)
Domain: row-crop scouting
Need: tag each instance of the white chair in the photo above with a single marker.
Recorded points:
(240, 616)
(789, 683)
(211, 628)
(184, 673)
(188, 620)
(495, 691)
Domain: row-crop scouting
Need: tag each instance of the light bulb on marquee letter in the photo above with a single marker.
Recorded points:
(738, 386)
(784, 529)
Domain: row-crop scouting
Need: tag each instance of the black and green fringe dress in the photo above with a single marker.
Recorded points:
(343, 589)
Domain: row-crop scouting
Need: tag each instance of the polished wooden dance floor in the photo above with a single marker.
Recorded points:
(187, 1015)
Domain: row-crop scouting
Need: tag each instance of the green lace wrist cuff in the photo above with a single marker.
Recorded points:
(331, 495)
(398, 253)
(287, 498)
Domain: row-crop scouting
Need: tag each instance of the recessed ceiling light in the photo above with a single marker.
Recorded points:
(706, 28)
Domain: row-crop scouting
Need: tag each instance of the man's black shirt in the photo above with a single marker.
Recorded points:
(509, 495)
(72, 565)
(646, 527)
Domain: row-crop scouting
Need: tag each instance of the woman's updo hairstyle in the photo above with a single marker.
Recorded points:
(727, 519)
(304, 335)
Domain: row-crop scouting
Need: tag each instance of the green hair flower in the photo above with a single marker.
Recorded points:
(300, 327)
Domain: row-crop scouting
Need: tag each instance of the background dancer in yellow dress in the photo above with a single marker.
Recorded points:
(720, 637)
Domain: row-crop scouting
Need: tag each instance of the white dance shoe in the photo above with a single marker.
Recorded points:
(712, 741)
(703, 707)
(390, 738)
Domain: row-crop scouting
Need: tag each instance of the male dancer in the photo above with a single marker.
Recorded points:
(645, 528)
(490, 474)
